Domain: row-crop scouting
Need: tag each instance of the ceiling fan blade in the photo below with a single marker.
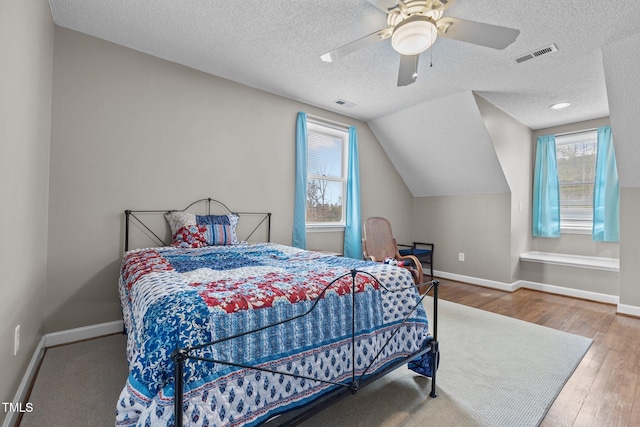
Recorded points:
(387, 5)
(446, 4)
(384, 5)
(408, 69)
(488, 35)
(356, 45)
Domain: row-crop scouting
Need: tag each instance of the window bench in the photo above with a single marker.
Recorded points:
(568, 260)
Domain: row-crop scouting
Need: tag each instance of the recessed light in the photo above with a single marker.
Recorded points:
(559, 105)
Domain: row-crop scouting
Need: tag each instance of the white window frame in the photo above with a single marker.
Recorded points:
(342, 133)
(576, 226)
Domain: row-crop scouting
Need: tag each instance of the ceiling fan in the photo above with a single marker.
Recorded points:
(414, 25)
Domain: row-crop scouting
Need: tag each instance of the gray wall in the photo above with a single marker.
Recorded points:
(133, 131)
(26, 49)
(620, 60)
(630, 247)
(511, 141)
(477, 225)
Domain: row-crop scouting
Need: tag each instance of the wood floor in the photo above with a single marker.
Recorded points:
(605, 388)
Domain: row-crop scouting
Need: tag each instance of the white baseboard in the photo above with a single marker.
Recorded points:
(570, 292)
(21, 395)
(630, 310)
(83, 333)
(552, 289)
(476, 281)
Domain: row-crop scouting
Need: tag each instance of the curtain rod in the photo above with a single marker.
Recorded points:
(329, 122)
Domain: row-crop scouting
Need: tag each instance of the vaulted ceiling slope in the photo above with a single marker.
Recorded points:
(442, 147)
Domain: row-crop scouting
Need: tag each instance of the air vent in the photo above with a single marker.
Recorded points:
(344, 103)
(536, 53)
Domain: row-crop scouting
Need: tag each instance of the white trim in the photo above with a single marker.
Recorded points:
(573, 132)
(27, 379)
(630, 310)
(321, 121)
(551, 289)
(325, 228)
(477, 281)
(83, 333)
(570, 260)
(570, 292)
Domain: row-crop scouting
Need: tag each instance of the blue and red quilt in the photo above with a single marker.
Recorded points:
(177, 297)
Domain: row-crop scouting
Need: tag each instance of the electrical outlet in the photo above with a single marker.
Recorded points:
(461, 256)
(16, 340)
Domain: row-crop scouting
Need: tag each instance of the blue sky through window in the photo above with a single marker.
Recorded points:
(324, 155)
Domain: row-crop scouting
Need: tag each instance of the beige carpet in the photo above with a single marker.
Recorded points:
(79, 384)
(494, 371)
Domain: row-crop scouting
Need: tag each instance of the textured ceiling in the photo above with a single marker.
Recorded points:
(276, 46)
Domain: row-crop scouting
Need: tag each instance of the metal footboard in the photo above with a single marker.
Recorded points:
(431, 347)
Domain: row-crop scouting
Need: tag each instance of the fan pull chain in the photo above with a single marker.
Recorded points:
(431, 51)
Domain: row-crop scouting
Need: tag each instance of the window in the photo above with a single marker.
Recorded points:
(576, 162)
(327, 149)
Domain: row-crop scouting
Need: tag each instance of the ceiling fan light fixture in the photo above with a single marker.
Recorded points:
(414, 35)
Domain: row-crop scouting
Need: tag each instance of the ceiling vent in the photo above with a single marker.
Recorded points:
(344, 103)
(536, 53)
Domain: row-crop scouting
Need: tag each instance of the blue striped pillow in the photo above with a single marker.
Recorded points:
(221, 229)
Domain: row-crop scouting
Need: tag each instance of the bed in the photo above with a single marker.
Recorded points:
(247, 333)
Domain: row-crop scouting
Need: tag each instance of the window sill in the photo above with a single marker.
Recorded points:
(325, 228)
(570, 260)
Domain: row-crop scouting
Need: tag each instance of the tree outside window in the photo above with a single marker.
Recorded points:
(576, 161)
(326, 175)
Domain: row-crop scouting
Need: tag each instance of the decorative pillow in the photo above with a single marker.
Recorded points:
(221, 229)
(195, 231)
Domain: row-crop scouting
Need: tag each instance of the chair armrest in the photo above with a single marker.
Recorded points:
(416, 264)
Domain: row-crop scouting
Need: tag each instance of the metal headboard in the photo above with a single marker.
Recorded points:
(130, 215)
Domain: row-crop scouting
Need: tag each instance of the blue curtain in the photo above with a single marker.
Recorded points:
(546, 193)
(353, 228)
(299, 239)
(606, 191)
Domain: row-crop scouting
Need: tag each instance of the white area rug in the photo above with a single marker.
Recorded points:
(494, 371)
